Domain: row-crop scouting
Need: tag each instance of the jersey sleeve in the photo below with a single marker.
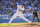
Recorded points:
(18, 6)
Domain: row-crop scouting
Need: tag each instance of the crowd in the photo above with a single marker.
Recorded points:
(8, 7)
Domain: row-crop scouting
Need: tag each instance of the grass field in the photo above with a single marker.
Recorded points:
(35, 24)
(4, 24)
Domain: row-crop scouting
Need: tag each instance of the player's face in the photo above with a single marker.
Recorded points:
(34, 10)
(22, 5)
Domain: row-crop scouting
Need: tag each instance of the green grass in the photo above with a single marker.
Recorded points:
(8, 24)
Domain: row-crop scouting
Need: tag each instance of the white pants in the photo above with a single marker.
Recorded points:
(20, 15)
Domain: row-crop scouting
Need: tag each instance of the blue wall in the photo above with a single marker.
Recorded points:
(16, 20)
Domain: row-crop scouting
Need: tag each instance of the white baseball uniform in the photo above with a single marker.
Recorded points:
(19, 13)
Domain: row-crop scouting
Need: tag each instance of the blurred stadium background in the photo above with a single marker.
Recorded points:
(8, 8)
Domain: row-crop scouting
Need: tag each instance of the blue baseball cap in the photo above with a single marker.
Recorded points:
(22, 3)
